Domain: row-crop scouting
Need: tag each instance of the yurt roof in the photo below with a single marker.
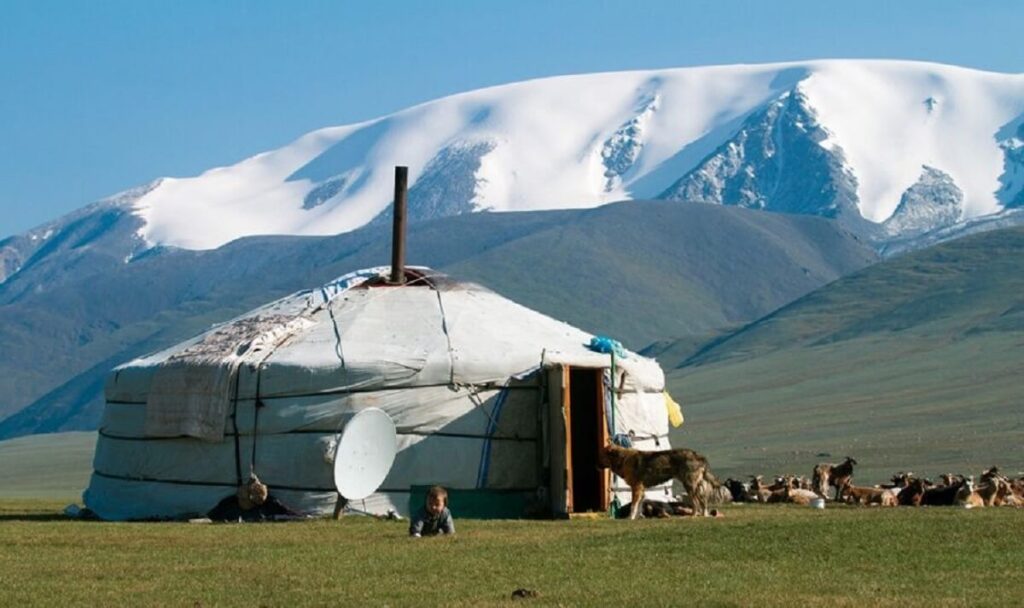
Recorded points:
(356, 333)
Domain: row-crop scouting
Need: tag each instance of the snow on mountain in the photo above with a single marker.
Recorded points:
(621, 151)
(104, 230)
(1011, 140)
(776, 162)
(934, 202)
(840, 138)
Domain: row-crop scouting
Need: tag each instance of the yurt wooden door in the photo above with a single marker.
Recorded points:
(578, 432)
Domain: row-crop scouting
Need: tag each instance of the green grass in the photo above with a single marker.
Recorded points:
(763, 555)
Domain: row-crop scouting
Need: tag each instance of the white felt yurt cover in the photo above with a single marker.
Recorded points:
(456, 366)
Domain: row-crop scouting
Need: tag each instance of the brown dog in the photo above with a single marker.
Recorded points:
(644, 469)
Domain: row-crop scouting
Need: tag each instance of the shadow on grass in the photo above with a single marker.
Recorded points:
(5, 517)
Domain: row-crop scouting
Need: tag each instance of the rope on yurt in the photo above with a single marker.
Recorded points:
(234, 423)
(328, 298)
(257, 405)
(473, 392)
(337, 336)
(447, 338)
(258, 401)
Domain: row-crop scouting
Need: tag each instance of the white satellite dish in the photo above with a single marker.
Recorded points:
(366, 450)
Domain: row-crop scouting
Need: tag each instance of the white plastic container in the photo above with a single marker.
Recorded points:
(818, 503)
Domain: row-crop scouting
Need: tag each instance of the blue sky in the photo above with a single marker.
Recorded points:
(97, 97)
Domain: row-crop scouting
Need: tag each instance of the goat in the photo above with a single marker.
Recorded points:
(758, 491)
(950, 479)
(841, 474)
(780, 490)
(819, 479)
(1017, 492)
(943, 496)
(912, 495)
(996, 492)
(966, 496)
(890, 499)
(738, 490)
(868, 496)
(898, 481)
(991, 473)
(1005, 495)
(800, 496)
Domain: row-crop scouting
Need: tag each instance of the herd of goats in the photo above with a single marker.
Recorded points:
(990, 490)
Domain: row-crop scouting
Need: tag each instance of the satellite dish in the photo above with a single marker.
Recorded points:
(366, 450)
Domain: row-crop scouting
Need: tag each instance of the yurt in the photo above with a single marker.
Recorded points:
(504, 406)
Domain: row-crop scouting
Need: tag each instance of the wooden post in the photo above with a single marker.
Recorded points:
(398, 227)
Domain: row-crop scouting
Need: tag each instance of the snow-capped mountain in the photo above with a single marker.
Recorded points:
(776, 162)
(933, 202)
(892, 149)
(845, 139)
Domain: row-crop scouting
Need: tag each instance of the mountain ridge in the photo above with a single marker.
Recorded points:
(589, 139)
(638, 272)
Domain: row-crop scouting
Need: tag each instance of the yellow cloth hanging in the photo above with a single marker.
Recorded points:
(675, 413)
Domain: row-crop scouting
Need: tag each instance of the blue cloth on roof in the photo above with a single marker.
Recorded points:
(604, 344)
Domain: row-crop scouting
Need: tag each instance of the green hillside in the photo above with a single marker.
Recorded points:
(639, 271)
(916, 363)
(53, 466)
(652, 270)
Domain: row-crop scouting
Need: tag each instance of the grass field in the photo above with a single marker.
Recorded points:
(55, 466)
(764, 555)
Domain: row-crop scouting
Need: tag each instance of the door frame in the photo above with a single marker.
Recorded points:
(562, 441)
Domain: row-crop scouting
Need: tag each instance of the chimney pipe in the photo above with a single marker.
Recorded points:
(398, 227)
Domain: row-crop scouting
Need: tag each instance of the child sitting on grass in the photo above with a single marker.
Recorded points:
(434, 518)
